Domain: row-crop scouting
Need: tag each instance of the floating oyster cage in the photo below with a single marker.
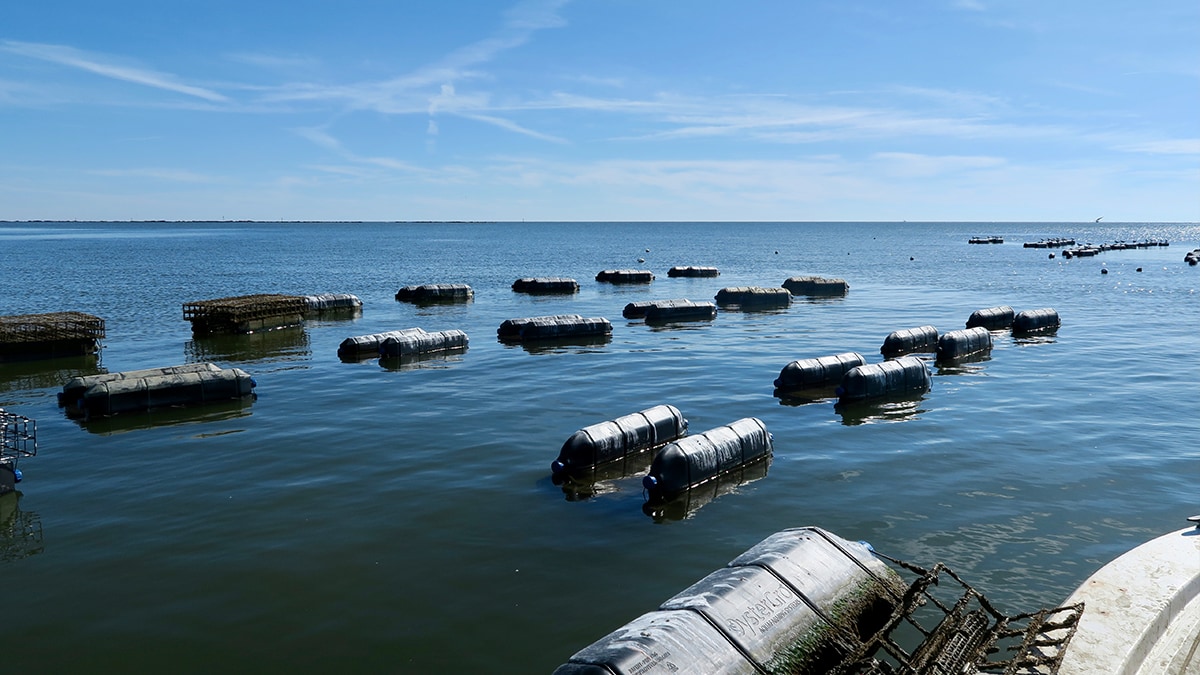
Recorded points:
(957, 630)
(245, 314)
(52, 334)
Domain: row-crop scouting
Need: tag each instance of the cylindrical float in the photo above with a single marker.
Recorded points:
(1034, 320)
(552, 327)
(75, 386)
(693, 460)
(159, 391)
(368, 345)
(332, 302)
(680, 310)
(800, 601)
(823, 371)
(546, 285)
(625, 276)
(418, 344)
(434, 293)
(958, 344)
(991, 318)
(919, 340)
(816, 286)
(637, 310)
(693, 271)
(907, 374)
(609, 441)
(754, 297)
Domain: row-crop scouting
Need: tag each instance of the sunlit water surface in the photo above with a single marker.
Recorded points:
(374, 518)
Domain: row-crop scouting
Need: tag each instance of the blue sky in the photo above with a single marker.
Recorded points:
(785, 110)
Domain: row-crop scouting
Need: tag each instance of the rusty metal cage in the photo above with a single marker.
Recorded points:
(958, 631)
(238, 314)
(51, 334)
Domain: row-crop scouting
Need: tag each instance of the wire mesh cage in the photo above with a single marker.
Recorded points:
(957, 631)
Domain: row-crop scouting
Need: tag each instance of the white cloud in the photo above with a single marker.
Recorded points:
(1177, 146)
(100, 65)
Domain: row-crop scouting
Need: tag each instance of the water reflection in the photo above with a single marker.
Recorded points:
(1041, 338)
(971, 364)
(799, 397)
(583, 484)
(47, 373)
(199, 414)
(283, 344)
(20, 531)
(418, 361)
(687, 504)
(890, 409)
(562, 345)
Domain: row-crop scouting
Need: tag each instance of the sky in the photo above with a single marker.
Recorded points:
(601, 110)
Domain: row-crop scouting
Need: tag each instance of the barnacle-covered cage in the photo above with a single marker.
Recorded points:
(26, 336)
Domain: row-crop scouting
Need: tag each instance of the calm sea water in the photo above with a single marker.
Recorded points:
(373, 518)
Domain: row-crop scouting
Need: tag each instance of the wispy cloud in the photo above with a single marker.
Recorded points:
(163, 174)
(1177, 146)
(323, 139)
(410, 92)
(106, 67)
(972, 5)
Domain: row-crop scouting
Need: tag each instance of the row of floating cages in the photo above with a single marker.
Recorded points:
(904, 374)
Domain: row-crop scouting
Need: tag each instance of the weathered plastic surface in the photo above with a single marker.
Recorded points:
(794, 603)
(685, 310)
(756, 297)
(553, 327)
(692, 460)
(1033, 320)
(436, 293)
(816, 286)
(1141, 612)
(625, 276)
(693, 271)
(958, 344)
(368, 345)
(75, 386)
(511, 329)
(992, 318)
(546, 285)
(158, 391)
(823, 371)
(417, 344)
(614, 439)
(660, 643)
(332, 302)
(637, 310)
(919, 340)
(905, 375)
